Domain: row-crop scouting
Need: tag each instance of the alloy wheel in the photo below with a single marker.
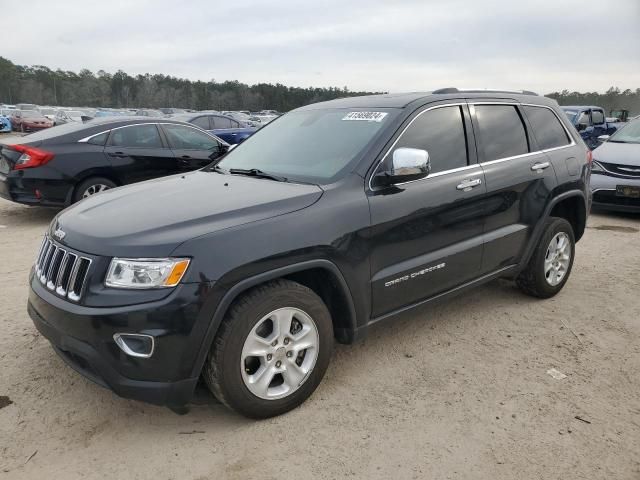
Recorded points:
(279, 353)
(557, 258)
(93, 189)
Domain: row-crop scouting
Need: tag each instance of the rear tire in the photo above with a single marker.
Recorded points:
(92, 186)
(550, 264)
(267, 383)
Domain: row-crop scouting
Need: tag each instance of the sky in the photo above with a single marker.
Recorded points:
(372, 45)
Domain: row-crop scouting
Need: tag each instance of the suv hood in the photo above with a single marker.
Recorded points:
(152, 218)
(619, 153)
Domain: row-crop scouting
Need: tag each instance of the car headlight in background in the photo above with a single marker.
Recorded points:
(146, 272)
(596, 167)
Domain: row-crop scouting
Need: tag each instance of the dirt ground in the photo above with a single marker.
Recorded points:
(458, 391)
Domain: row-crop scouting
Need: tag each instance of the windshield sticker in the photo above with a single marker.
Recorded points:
(365, 116)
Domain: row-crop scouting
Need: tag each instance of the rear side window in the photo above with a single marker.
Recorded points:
(441, 133)
(546, 127)
(187, 138)
(202, 122)
(137, 136)
(98, 139)
(597, 117)
(221, 122)
(502, 132)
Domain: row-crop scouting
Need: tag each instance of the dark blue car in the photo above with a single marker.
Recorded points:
(230, 130)
(591, 122)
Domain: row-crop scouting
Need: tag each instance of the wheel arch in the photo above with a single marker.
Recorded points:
(86, 176)
(331, 287)
(559, 205)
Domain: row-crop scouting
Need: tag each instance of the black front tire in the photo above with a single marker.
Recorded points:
(533, 280)
(222, 370)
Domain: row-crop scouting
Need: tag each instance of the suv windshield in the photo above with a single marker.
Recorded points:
(313, 146)
(630, 133)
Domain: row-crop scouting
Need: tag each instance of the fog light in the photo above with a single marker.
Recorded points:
(135, 344)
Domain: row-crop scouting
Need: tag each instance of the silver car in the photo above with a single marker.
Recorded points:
(615, 175)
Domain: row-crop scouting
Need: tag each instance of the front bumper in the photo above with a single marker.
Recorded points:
(603, 188)
(83, 337)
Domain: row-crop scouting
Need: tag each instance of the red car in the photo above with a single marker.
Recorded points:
(29, 121)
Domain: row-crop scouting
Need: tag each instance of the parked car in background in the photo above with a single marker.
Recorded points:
(149, 112)
(67, 116)
(171, 110)
(29, 121)
(590, 122)
(243, 119)
(48, 112)
(615, 175)
(26, 106)
(73, 161)
(5, 121)
(112, 113)
(226, 128)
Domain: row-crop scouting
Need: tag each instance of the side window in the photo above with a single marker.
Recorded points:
(202, 122)
(137, 136)
(234, 124)
(502, 132)
(441, 133)
(584, 118)
(99, 139)
(221, 122)
(597, 117)
(547, 129)
(186, 138)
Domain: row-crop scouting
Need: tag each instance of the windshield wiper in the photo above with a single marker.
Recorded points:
(255, 172)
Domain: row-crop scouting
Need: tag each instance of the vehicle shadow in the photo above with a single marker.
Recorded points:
(13, 214)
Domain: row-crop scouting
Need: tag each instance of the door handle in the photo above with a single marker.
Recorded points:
(118, 154)
(186, 157)
(537, 167)
(467, 185)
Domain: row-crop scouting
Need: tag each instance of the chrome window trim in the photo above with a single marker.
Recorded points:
(481, 164)
(603, 190)
(86, 139)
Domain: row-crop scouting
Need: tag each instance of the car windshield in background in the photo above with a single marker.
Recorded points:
(309, 145)
(74, 113)
(630, 133)
(31, 114)
(47, 111)
(571, 114)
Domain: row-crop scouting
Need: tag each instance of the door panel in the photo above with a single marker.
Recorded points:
(138, 153)
(518, 181)
(426, 238)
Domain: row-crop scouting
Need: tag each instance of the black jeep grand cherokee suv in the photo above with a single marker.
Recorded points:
(332, 218)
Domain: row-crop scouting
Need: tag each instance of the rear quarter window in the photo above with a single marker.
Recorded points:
(547, 129)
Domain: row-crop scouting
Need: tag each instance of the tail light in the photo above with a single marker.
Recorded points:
(31, 157)
(589, 157)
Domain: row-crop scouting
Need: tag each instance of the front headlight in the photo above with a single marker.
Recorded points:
(146, 272)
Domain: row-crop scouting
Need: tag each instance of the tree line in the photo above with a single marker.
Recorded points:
(40, 85)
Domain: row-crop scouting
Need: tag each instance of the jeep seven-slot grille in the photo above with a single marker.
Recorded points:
(61, 270)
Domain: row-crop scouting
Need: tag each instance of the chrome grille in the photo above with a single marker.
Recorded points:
(61, 270)
(623, 170)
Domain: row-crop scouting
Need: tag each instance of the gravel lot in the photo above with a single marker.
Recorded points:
(457, 391)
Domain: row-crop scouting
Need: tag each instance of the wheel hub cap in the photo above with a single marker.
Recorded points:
(279, 353)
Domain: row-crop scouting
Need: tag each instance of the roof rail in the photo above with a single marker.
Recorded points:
(481, 90)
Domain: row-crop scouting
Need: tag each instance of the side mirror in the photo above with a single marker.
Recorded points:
(582, 126)
(603, 138)
(407, 164)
